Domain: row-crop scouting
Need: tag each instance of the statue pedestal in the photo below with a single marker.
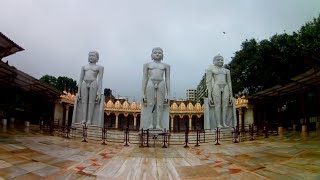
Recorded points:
(4, 122)
(317, 125)
(280, 130)
(26, 123)
(304, 128)
(294, 127)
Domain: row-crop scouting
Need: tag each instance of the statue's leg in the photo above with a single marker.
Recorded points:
(160, 101)
(84, 101)
(150, 91)
(225, 104)
(92, 98)
(217, 104)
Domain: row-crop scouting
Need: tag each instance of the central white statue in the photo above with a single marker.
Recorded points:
(156, 90)
(219, 106)
(89, 100)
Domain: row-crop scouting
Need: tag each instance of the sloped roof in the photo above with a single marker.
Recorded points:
(297, 84)
(8, 47)
(10, 76)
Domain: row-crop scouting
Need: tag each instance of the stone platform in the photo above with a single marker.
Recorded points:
(32, 155)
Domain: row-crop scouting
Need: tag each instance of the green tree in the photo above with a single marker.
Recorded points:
(61, 83)
(260, 65)
(51, 80)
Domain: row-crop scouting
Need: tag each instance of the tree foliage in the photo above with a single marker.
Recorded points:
(261, 65)
(61, 83)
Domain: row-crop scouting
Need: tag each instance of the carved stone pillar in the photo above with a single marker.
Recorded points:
(117, 120)
(190, 122)
(172, 122)
(240, 118)
(67, 114)
(135, 121)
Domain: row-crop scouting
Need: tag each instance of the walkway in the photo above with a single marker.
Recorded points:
(37, 156)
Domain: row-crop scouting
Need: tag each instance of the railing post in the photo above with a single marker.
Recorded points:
(251, 132)
(104, 131)
(84, 132)
(164, 138)
(265, 131)
(186, 138)
(141, 138)
(148, 138)
(235, 135)
(67, 132)
(198, 137)
(126, 136)
(217, 136)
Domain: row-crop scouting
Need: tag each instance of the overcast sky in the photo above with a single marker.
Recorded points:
(58, 34)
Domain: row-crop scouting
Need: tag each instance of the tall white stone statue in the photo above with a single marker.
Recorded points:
(219, 107)
(156, 90)
(89, 101)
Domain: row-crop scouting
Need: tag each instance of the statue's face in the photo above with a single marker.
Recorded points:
(218, 61)
(93, 57)
(157, 54)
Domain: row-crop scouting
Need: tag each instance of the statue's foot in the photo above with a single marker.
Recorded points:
(150, 127)
(224, 125)
(84, 121)
(88, 123)
(158, 127)
(219, 126)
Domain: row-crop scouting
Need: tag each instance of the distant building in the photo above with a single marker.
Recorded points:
(191, 94)
(202, 90)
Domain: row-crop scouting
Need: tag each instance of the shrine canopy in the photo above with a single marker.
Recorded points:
(8, 47)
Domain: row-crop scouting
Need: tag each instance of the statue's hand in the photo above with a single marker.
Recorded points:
(230, 101)
(211, 102)
(98, 97)
(166, 101)
(144, 100)
(79, 98)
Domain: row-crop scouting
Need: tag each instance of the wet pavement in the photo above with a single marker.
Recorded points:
(33, 155)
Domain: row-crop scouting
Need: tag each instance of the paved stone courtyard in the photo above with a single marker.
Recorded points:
(31, 155)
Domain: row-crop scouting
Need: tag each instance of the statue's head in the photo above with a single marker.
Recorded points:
(157, 54)
(218, 60)
(93, 56)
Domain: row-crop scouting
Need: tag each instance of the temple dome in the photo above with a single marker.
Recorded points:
(174, 107)
(118, 105)
(198, 107)
(110, 104)
(182, 107)
(190, 106)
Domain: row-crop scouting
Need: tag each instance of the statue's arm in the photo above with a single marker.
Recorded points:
(80, 81)
(167, 81)
(229, 83)
(144, 80)
(209, 83)
(100, 77)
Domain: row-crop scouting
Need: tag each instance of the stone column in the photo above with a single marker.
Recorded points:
(317, 125)
(190, 122)
(280, 130)
(304, 128)
(172, 122)
(117, 120)
(12, 122)
(240, 118)
(26, 123)
(67, 114)
(4, 122)
(135, 121)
